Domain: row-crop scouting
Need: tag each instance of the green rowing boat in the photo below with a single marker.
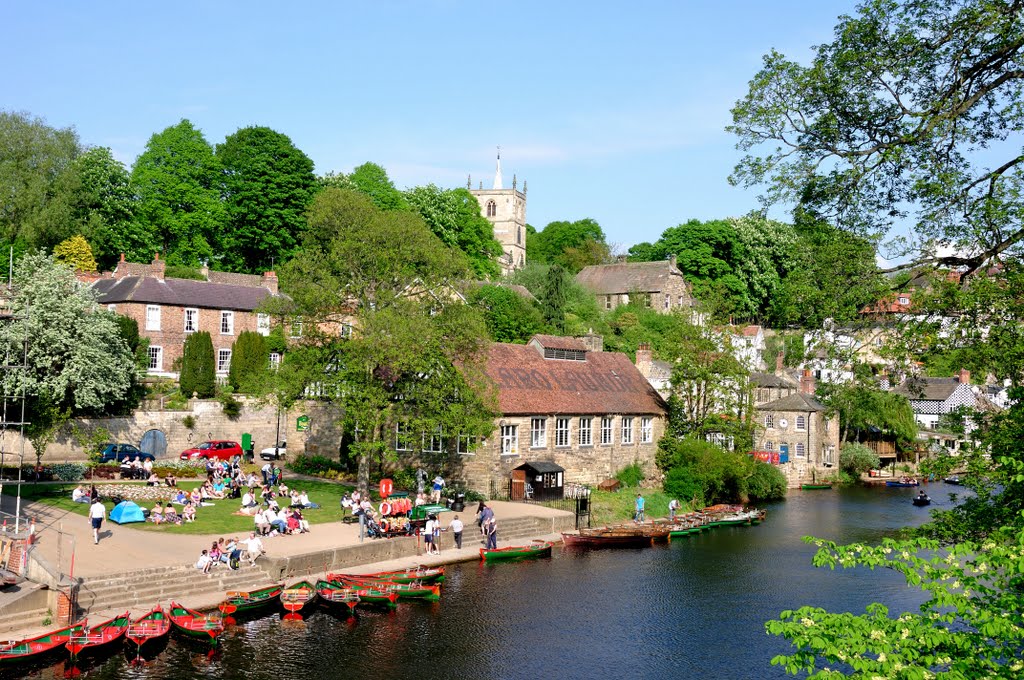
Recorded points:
(515, 552)
(815, 487)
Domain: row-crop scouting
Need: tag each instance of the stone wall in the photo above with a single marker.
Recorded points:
(322, 438)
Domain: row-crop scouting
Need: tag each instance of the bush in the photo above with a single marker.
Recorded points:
(189, 422)
(231, 406)
(631, 475)
(249, 359)
(198, 370)
(68, 472)
(705, 474)
(766, 482)
(315, 465)
(856, 459)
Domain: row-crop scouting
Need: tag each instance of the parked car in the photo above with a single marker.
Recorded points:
(220, 450)
(278, 452)
(111, 453)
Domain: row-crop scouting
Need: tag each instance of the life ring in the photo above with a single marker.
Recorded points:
(386, 487)
(385, 509)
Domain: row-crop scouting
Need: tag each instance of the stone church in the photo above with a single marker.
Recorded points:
(506, 210)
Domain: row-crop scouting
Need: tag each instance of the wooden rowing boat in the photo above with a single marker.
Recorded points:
(593, 538)
(815, 487)
(251, 600)
(902, 483)
(515, 552)
(152, 627)
(193, 624)
(337, 595)
(421, 574)
(297, 597)
(16, 651)
(404, 591)
(97, 638)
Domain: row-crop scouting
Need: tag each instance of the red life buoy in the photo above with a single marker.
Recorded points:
(386, 487)
(385, 509)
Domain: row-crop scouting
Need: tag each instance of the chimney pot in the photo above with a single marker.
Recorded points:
(780, 362)
(963, 377)
(807, 382)
(122, 257)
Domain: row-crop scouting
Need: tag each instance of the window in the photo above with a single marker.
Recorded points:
(646, 430)
(828, 456)
(586, 433)
(538, 433)
(263, 324)
(668, 301)
(295, 330)
(346, 330)
(152, 317)
(680, 303)
(904, 300)
(227, 323)
(801, 423)
(111, 308)
(606, 429)
(510, 440)
(156, 358)
(647, 299)
(275, 360)
(627, 430)
(434, 442)
(223, 360)
(561, 431)
(769, 446)
(824, 425)
(607, 301)
(800, 452)
(467, 444)
(519, 235)
(769, 421)
(878, 341)
(402, 437)
(191, 320)
(492, 208)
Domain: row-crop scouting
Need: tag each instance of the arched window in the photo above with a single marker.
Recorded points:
(492, 208)
(519, 235)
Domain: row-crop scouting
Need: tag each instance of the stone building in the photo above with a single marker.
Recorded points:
(589, 411)
(794, 429)
(168, 310)
(506, 210)
(659, 284)
(932, 398)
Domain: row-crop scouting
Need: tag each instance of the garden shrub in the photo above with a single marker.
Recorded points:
(314, 465)
(631, 475)
(856, 459)
(198, 368)
(68, 472)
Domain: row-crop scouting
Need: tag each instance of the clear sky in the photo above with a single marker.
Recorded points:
(609, 110)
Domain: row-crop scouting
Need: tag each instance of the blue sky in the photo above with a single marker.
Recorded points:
(609, 110)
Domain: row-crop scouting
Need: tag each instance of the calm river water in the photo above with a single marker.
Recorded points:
(692, 609)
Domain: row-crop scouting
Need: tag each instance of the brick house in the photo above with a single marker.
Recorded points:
(795, 426)
(168, 310)
(660, 284)
(589, 411)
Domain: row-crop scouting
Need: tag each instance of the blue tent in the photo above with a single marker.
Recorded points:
(127, 512)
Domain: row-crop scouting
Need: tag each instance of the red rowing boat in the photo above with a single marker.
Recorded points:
(33, 648)
(99, 637)
(152, 627)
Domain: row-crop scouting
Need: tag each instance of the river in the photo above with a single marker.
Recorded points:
(692, 609)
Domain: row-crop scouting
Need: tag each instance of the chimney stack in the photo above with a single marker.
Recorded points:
(780, 362)
(270, 281)
(807, 382)
(158, 267)
(963, 376)
(672, 261)
(644, 359)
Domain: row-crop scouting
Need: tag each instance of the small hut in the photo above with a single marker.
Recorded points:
(539, 481)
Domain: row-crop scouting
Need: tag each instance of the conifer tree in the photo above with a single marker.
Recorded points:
(198, 373)
(249, 359)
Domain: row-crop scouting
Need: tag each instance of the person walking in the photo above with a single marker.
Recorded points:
(428, 535)
(639, 517)
(97, 513)
(435, 492)
(492, 533)
(673, 508)
(456, 528)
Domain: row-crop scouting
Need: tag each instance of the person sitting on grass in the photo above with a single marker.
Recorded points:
(277, 523)
(196, 496)
(188, 513)
(153, 480)
(248, 503)
(171, 515)
(260, 520)
(294, 499)
(170, 480)
(301, 521)
(156, 515)
(180, 498)
(79, 495)
(305, 503)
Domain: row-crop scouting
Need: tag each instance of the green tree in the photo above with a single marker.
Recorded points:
(553, 299)
(454, 217)
(573, 245)
(703, 473)
(862, 407)
(75, 253)
(372, 180)
(76, 362)
(34, 202)
(398, 373)
(249, 360)
(178, 180)
(267, 186)
(856, 459)
(508, 315)
(198, 371)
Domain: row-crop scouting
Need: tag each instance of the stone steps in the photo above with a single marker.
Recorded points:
(21, 620)
(127, 592)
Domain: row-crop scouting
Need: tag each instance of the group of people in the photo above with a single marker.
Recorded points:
(231, 552)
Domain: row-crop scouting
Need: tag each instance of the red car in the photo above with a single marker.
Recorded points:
(217, 450)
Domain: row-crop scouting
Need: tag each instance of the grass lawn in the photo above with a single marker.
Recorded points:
(611, 507)
(218, 519)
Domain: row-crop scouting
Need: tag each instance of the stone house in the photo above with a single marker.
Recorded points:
(589, 411)
(168, 310)
(794, 429)
(659, 284)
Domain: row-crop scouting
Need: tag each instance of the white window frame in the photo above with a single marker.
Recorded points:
(156, 352)
(607, 301)
(223, 360)
(227, 320)
(111, 308)
(769, 446)
(562, 432)
(646, 430)
(346, 330)
(433, 442)
(152, 317)
(263, 324)
(510, 440)
(538, 433)
(275, 360)
(668, 301)
(607, 430)
(194, 326)
(801, 423)
(627, 429)
(402, 442)
(769, 421)
(467, 444)
(586, 433)
(801, 451)
(295, 328)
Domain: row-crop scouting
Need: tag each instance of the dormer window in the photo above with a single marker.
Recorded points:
(566, 354)
(904, 300)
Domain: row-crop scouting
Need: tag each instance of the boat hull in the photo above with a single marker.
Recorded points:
(334, 596)
(298, 597)
(150, 629)
(41, 646)
(195, 625)
(516, 552)
(921, 502)
(607, 540)
(103, 637)
(902, 485)
(815, 487)
(424, 575)
(250, 601)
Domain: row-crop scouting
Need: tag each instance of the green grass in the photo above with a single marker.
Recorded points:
(209, 520)
(610, 507)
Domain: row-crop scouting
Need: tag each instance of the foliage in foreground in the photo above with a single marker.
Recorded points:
(971, 626)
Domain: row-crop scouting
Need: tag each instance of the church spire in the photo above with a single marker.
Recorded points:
(497, 171)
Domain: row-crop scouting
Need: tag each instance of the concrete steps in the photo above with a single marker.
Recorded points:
(144, 589)
(25, 619)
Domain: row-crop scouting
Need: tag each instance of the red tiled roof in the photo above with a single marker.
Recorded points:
(607, 382)
(889, 305)
(559, 342)
(751, 331)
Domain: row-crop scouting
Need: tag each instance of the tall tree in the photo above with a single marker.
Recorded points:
(372, 180)
(178, 181)
(75, 253)
(553, 299)
(198, 374)
(573, 245)
(249, 360)
(508, 315)
(454, 217)
(75, 360)
(267, 186)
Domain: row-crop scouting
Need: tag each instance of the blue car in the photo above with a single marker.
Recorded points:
(119, 453)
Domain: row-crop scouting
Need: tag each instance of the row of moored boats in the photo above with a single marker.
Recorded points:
(643, 534)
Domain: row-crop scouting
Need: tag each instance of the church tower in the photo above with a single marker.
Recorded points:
(506, 210)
